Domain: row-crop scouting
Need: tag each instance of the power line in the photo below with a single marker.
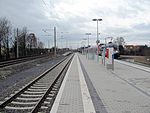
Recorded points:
(45, 4)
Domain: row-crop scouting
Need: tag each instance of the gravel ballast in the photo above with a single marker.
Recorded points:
(15, 81)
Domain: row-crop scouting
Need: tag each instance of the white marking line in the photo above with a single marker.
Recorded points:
(59, 95)
(86, 98)
(134, 65)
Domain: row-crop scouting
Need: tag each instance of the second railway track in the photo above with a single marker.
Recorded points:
(20, 60)
(39, 94)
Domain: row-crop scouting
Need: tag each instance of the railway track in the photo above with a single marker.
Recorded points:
(39, 94)
(16, 61)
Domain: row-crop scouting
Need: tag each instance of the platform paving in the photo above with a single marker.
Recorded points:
(124, 90)
(71, 97)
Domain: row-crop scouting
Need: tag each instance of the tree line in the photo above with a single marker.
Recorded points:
(138, 50)
(16, 42)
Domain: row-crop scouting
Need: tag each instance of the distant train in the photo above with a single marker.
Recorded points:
(116, 49)
(101, 47)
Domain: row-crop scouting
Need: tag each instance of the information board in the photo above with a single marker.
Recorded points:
(110, 58)
(110, 55)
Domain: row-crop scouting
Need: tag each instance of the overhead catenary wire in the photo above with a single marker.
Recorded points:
(45, 4)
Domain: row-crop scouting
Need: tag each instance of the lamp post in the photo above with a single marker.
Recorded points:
(88, 42)
(55, 41)
(61, 39)
(84, 47)
(97, 36)
(83, 43)
(17, 44)
(66, 40)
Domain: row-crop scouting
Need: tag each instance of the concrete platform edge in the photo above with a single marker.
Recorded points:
(59, 95)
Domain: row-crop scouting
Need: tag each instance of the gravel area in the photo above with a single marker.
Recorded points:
(138, 59)
(9, 70)
(14, 81)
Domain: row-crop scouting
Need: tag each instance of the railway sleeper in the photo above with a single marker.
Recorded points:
(29, 98)
(23, 103)
(20, 105)
(30, 95)
(35, 90)
(18, 108)
(20, 98)
(37, 87)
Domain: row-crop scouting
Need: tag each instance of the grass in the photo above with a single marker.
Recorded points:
(137, 61)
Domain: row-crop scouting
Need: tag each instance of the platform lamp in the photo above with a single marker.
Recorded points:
(88, 42)
(97, 36)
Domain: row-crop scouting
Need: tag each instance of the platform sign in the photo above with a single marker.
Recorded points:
(110, 55)
(110, 58)
(103, 56)
(107, 52)
(113, 56)
(111, 52)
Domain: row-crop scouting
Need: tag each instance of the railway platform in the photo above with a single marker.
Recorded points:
(89, 87)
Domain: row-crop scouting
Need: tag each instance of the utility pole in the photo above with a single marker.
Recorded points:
(61, 41)
(66, 43)
(54, 41)
(17, 45)
(105, 51)
(97, 43)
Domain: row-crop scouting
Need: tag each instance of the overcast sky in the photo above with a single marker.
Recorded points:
(127, 18)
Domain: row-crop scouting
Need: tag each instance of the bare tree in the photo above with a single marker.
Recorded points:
(23, 40)
(19, 40)
(14, 42)
(31, 41)
(119, 41)
(40, 44)
(5, 31)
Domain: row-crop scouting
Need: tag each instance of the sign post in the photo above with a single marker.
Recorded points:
(103, 56)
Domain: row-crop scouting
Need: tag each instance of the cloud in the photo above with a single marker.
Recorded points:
(120, 17)
(142, 27)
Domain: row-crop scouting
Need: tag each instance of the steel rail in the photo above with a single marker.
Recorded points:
(37, 107)
(9, 100)
(16, 61)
